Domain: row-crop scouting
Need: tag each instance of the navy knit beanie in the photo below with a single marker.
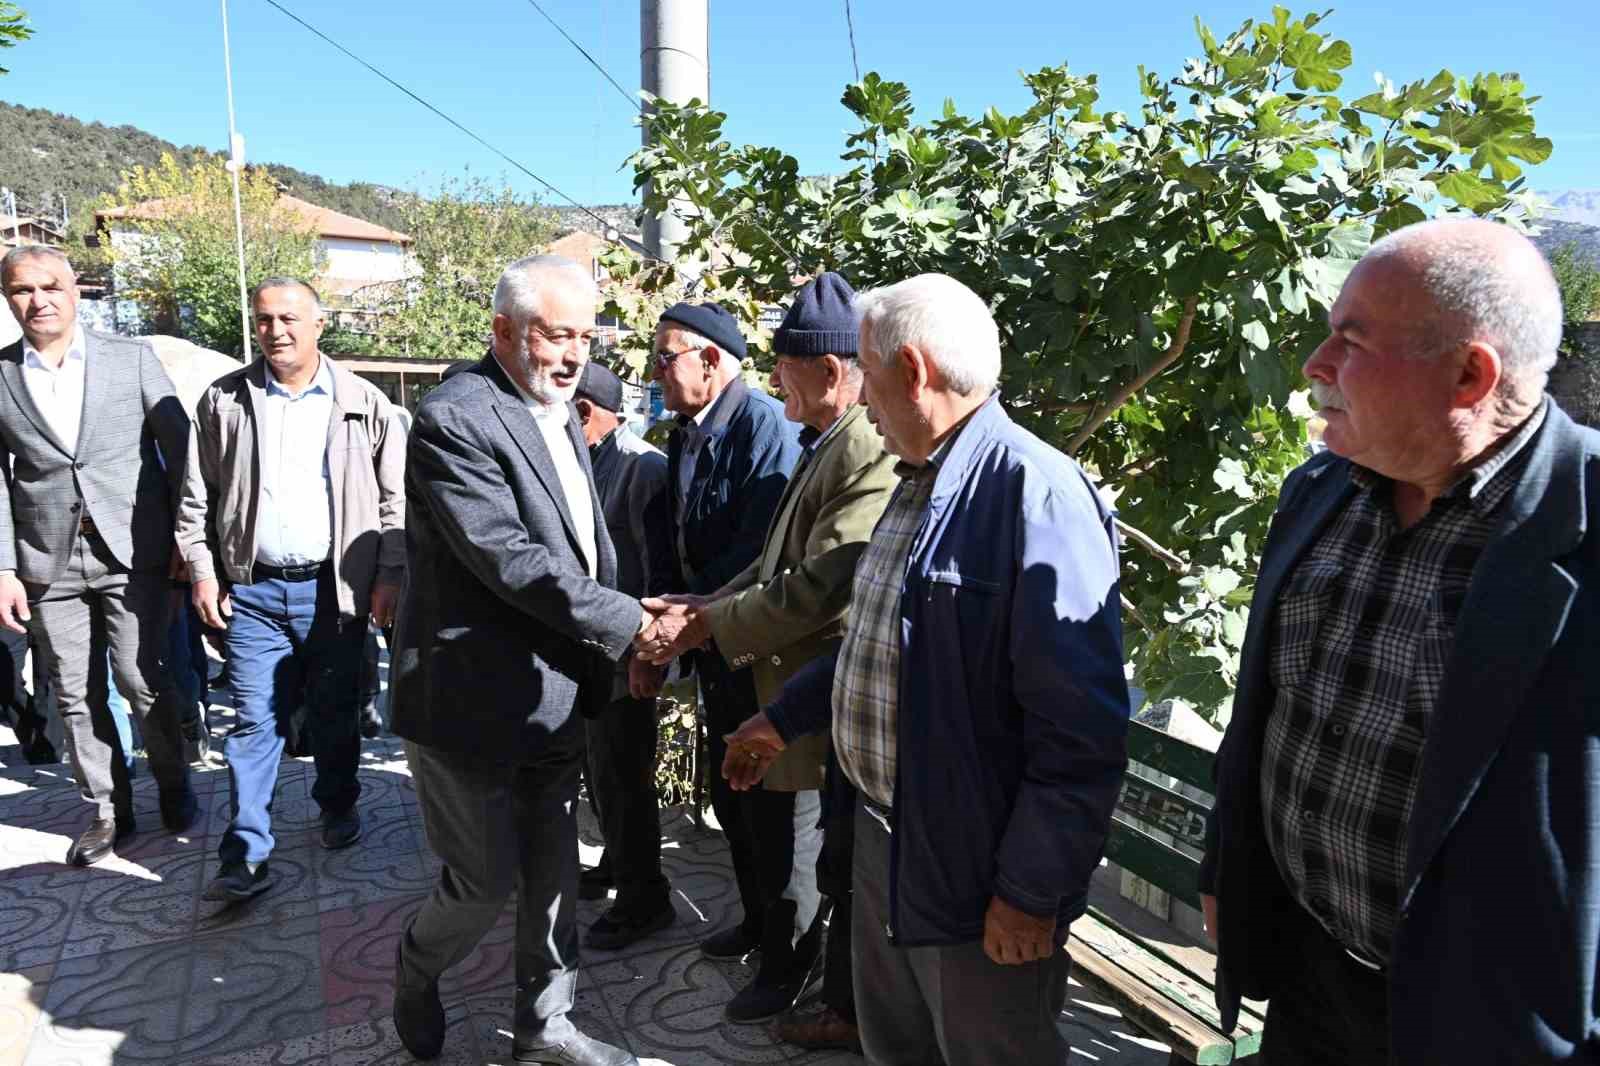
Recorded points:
(821, 320)
(711, 321)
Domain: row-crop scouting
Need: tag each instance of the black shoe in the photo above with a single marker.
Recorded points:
(581, 1050)
(236, 883)
(596, 883)
(39, 752)
(371, 721)
(616, 929)
(179, 810)
(757, 1001)
(96, 842)
(418, 1014)
(341, 830)
(732, 943)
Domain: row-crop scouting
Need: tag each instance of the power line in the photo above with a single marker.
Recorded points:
(849, 22)
(605, 227)
(633, 101)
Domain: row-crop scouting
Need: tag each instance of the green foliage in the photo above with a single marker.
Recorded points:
(1158, 277)
(1579, 279)
(14, 28)
(179, 263)
(47, 157)
(462, 238)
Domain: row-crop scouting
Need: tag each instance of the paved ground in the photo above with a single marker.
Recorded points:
(123, 963)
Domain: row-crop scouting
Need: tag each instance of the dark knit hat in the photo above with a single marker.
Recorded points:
(711, 321)
(821, 320)
(601, 387)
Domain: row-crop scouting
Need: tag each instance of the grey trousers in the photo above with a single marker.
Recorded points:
(93, 605)
(501, 827)
(950, 1005)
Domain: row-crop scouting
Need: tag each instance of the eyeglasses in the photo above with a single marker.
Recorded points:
(565, 338)
(665, 359)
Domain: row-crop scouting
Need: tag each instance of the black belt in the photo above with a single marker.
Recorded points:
(308, 572)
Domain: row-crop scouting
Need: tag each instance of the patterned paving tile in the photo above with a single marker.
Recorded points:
(376, 1044)
(247, 989)
(21, 995)
(36, 905)
(358, 946)
(702, 1036)
(129, 1001)
(127, 903)
(292, 895)
(384, 863)
(662, 984)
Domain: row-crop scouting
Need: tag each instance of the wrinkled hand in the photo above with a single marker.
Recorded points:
(752, 749)
(1012, 937)
(678, 628)
(644, 679)
(385, 598)
(214, 606)
(13, 604)
(1208, 907)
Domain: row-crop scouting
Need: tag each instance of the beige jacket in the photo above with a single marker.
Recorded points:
(216, 527)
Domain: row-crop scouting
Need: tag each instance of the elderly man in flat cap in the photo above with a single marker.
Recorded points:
(787, 608)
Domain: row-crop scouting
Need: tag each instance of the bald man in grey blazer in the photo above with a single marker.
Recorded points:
(92, 444)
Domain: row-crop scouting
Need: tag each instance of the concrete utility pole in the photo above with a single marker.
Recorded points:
(674, 64)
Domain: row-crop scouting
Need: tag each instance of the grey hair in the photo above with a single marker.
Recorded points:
(948, 321)
(24, 252)
(517, 291)
(1486, 282)
(285, 282)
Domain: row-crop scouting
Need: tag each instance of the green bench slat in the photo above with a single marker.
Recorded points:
(1189, 763)
(1168, 811)
(1154, 860)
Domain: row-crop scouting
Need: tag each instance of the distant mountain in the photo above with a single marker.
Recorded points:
(1573, 217)
(1576, 205)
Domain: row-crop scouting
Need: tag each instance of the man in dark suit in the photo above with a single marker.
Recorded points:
(508, 633)
(727, 466)
(92, 445)
(1401, 857)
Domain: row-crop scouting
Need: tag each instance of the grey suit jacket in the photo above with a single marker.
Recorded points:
(501, 633)
(115, 472)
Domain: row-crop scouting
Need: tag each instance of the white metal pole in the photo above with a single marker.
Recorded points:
(235, 165)
(674, 64)
(16, 223)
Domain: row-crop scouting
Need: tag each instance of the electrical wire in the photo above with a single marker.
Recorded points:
(633, 101)
(849, 22)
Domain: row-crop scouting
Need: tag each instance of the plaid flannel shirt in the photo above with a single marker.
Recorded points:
(1363, 631)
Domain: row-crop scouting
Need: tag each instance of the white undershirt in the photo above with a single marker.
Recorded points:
(58, 391)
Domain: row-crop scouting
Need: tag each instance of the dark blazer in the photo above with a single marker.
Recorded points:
(632, 477)
(115, 472)
(501, 632)
(738, 480)
(1497, 952)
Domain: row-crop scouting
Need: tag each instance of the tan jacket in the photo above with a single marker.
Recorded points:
(789, 606)
(216, 527)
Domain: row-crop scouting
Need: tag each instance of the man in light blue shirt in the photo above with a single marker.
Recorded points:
(292, 524)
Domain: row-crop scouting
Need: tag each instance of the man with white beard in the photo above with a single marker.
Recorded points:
(508, 634)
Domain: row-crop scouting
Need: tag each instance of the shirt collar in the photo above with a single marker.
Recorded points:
(1485, 484)
(322, 381)
(76, 351)
(694, 424)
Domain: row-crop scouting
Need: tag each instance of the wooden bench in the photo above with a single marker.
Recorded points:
(1160, 978)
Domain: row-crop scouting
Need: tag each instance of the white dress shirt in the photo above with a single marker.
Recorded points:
(58, 391)
(552, 422)
(294, 523)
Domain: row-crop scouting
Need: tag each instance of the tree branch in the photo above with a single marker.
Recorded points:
(1173, 560)
(1133, 612)
(1180, 340)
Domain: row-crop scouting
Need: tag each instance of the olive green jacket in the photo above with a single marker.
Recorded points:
(789, 606)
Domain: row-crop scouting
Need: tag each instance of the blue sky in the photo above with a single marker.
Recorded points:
(777, 70)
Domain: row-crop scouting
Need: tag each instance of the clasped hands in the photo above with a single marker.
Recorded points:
(670, 626)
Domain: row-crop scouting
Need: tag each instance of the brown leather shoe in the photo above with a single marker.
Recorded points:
(826, 1028)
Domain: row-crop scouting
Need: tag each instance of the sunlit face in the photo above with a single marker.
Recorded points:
(1383, 400)
(43, 295)
(886, 390)
(679, 364)
(803, 382)
(549, 351)
(288, 326)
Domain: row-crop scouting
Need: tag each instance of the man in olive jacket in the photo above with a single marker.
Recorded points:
(788, 607)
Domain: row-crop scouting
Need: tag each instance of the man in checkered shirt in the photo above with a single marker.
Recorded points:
(1402, 855)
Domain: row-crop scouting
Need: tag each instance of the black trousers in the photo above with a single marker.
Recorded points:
(834, 875)
(777, 880)
(32, 715)
(621, 768)
(1331, 1010)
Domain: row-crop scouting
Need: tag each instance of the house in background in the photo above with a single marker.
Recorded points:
(352, 253)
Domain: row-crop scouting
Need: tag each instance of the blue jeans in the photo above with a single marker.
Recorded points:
(186, 661)
(287, 646)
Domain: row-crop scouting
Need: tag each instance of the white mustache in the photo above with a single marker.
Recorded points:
(1327, 395)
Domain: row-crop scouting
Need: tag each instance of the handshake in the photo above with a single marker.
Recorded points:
(669, 626)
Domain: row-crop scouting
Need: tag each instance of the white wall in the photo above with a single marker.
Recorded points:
(350, 260)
